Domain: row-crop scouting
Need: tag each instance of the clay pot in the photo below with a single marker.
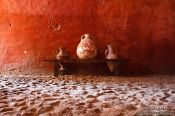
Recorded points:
(111, 53)
(86, 48)
(62, 54)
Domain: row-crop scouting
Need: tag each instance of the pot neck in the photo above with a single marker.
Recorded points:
(85, 36)
(110, 47)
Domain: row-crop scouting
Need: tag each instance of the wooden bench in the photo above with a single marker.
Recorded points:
(56, 63)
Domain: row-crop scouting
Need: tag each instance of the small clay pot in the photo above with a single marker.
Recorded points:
(62, 54)
(111, 53)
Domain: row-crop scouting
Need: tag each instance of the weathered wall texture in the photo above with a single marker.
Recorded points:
(142, 30)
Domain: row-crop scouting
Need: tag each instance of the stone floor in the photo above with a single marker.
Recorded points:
(87, 96)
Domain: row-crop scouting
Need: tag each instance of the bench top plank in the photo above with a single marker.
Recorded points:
(86, 60)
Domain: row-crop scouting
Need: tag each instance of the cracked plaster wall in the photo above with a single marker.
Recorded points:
(141, 30)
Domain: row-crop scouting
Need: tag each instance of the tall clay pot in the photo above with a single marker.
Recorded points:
(86, 48)
(111, 53)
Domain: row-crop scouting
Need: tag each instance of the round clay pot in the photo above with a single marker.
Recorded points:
(86, 48)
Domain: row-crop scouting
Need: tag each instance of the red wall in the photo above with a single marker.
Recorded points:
(142, 30)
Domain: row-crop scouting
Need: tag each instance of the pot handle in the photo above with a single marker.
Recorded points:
(82, 37)
(106, 52)
(116, 52)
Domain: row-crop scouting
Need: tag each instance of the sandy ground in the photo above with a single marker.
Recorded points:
(87, 96)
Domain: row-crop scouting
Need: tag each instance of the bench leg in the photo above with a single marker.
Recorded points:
(116, 69)
(56, 66)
